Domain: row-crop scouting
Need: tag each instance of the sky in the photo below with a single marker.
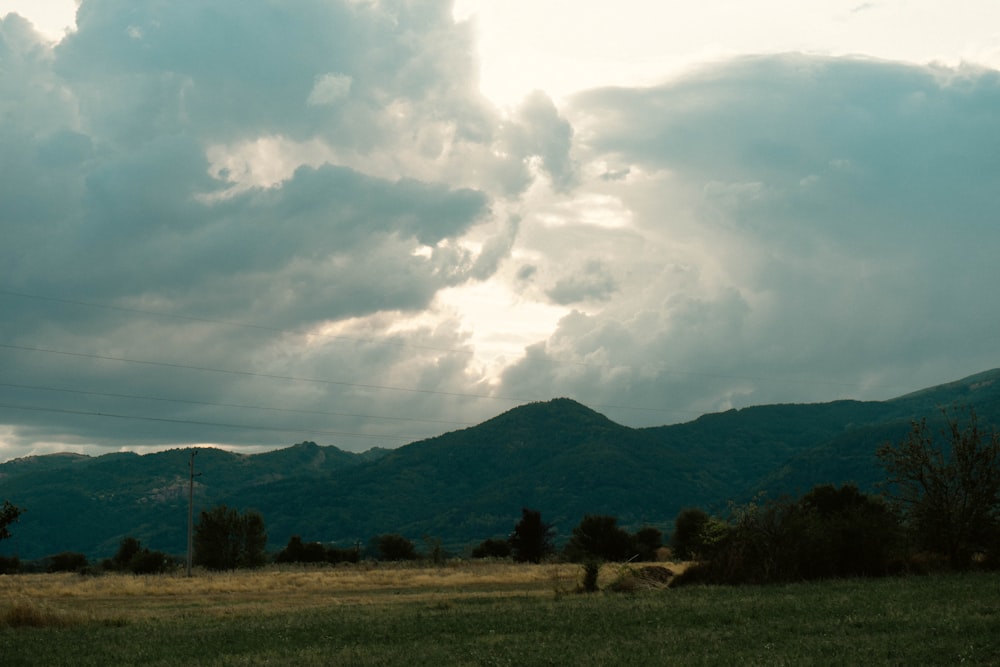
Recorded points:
(367, 222)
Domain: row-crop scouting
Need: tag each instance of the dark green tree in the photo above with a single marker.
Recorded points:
(646, 543)
(599, 537)
(133, 557)
(297, 551)
(8, 515)
(224, 539)
(394, 547)
(846, 533)
(150, 562)
(127, 549)
(949, 493)
(687, 541)
(336, 555)
(532, 538)
(829, 532)
(67, 561)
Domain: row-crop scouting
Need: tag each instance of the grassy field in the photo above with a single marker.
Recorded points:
(490, 614)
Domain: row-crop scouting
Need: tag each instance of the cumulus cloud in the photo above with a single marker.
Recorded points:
(144, 257)
(810, 228)
(538, 130)
(592, 282)
(249, 225)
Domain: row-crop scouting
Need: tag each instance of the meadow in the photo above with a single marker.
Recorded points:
(483, 613)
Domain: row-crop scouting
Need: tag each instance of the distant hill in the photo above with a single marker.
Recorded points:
(558, 457)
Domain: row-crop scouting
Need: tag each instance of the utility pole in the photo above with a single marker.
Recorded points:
(191, 477)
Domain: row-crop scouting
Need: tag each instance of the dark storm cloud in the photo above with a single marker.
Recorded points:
(130, 259)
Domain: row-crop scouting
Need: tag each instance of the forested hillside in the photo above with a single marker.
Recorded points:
(558, 457)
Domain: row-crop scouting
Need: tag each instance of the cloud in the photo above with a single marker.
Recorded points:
(329, 89)
(592, 282)
(229, 218)
(152, 269)
(539, 130)
(799, 228)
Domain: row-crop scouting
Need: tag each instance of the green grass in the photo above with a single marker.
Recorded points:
(938, 620)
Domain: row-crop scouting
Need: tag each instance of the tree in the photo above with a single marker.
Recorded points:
(829, 532)
(8, 515)
(687, 540)
(532, 538)
(647, 543)
(224, 539)
(851, 533)
(396, 547)
(598, 536)
(67, 561)
(133, 557)
(297, 551)
(150, 562)
(127, 550)
(950, 495)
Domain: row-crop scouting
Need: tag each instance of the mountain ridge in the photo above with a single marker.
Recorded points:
(461, 487)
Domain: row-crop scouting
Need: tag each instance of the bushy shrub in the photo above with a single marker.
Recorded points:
(67, 561)
(335, 555)
(646, 543)
(492, 548)
(394, 547)
(150, 562)
(599, 537)
(686, 541)
(591, 570)
(829, 532)
(297, 551)
(133, 557)
(851, 533)
(11, 565)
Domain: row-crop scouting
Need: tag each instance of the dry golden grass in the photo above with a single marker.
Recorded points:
(52, 599)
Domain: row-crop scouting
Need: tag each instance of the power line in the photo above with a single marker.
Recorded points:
(291, 378)
(194, 422)
(231, 405)
(231, 323)
(562, 362)
(270, 376)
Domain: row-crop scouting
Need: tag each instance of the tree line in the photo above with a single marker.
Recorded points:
(939, 506)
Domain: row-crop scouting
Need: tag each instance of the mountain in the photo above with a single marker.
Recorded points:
(558, 457)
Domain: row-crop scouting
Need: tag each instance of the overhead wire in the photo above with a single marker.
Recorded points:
(188, 401)
(231, 323)
(270, 376)
(196, 422)
(292, 378)
(462, 351)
